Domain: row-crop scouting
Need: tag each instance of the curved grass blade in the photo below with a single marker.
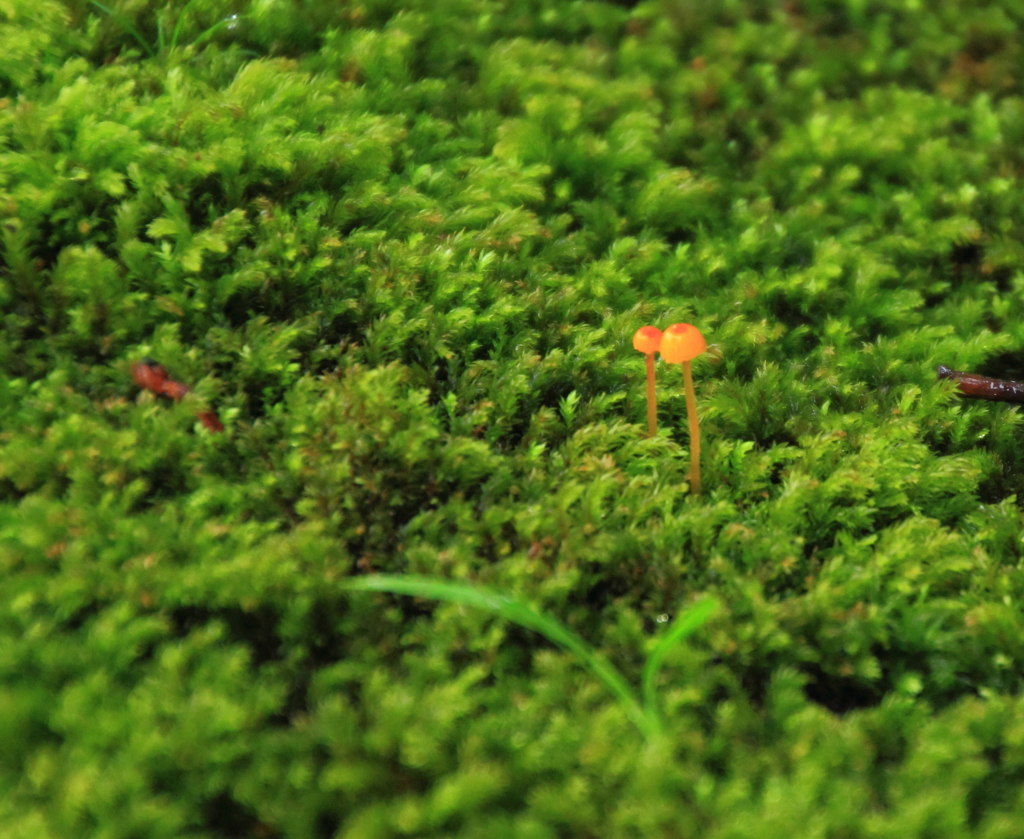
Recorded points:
(179, 23)
(517, 612)
(684, 624)
(126, 25)
(215, 28)
(203, 35)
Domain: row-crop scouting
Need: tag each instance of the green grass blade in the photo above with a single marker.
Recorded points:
(517, 612)
(181, 22)
(685, 624)
(124, 24)
(203, 35)
(219, 25)
(177, 26)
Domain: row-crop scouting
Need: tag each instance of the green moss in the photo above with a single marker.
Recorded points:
(402, 249)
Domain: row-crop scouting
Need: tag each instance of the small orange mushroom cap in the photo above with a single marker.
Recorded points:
(681, 342)
(647, 339)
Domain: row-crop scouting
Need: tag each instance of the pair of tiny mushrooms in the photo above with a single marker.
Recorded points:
(679, 344)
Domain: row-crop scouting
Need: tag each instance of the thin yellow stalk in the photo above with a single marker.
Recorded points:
(691, 416)
(652, 398)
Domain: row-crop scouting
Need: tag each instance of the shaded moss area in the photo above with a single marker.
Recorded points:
(402, 249)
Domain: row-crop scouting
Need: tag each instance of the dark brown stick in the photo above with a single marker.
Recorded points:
(982, 387)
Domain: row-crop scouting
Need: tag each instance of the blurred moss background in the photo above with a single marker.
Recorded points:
(402, 249)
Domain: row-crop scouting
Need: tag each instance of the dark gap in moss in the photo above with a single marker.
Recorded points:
(81, 616)
(1002, 277)
(837, 693)
(1008, 481)
(255, 628)
(515, 655)
(966, 257)
(9, 491)
(997, 792)
(327, 824)
(676, 236)
(230, 819)
(1008, 365)
(319, 654)
(755, 679)
(600, 595)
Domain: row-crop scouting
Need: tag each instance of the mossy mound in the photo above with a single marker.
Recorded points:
(402, 249)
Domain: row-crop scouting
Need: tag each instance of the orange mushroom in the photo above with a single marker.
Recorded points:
(680, 344)
(646, 340)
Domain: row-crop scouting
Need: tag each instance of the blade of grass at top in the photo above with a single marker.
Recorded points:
(125, 24)
(180, 22)
(685, 624)
(203, 35)
(517, 612)
(217, 26)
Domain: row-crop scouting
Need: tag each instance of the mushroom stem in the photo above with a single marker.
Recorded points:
(647, 340)
(691, 416)
(652, 398)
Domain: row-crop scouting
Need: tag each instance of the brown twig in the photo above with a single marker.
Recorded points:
(982, 387)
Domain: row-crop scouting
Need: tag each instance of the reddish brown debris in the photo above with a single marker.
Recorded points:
(150, 375)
